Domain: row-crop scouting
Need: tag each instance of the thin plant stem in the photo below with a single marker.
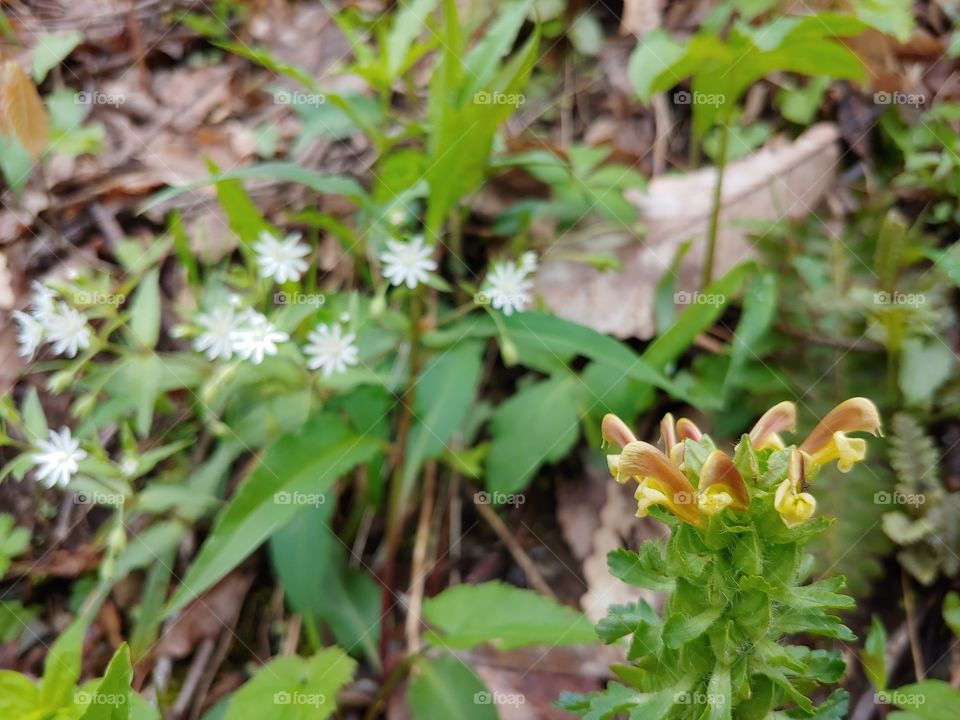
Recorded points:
(717, 205)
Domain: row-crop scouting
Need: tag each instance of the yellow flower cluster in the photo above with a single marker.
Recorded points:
(659, 474)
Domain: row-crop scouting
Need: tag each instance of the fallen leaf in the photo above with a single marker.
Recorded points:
(207, 616)
(21, 110)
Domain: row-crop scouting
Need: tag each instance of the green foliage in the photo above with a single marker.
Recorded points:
(925, 520)
(721, 70)
(305, 464)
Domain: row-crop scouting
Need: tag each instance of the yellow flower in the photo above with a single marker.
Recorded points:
(721, 485)
(794, 504)
(829, 440)
(659, 482)
(766, 433)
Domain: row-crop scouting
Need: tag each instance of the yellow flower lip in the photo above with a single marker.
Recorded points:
(659, 481)
(615, 431)
(766, 432)
(719, 475)
(794, 504)
(829, 440)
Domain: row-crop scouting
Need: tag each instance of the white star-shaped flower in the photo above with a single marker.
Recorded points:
(216, 340)
(509, 287)
(407, 263)
(329, 350)
(283, 259)
(56, 458)
(67, 329)
(256, 338)
(29, 334)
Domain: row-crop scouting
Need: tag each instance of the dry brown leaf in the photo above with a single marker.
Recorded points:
(21, 110)
(618, 521)
(781, 180)
(207, 616)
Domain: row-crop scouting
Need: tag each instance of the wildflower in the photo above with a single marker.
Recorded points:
(219, 325)
(528, 261)
(57, 458)
(41, 300)
(829, 440)
(674, 433)
(29, 334)
(721, 485)
(794, 504)
(407, 263)
(67, 329)
(257, 338)
(329, 350)
(279, 259)
(766, 432)
(509, 287)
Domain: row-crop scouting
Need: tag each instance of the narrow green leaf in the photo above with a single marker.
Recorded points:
(110, 700)
(301, 465)
(144, 325)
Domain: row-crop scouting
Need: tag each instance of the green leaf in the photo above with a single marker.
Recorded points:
(719, 696)
(537, 425)
(696, 318)
(19, 697)
(759, 308)
(924, 367)
(951, 612)
(464, 123)
(893, 17)
(646, 569)
(303, 464)
(443, 395)
(321, 584)
(52, 49)
(654, 55)
(447, 688)
(279, 171)
(408, 23)
(144, 325)
(927, 700)
(61, 670)
(680, 629)
(874, 655)
(34, 419)
(111, 698)
(294, 688)
(508, 617)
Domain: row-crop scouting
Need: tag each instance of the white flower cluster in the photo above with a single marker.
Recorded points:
(50, 320)
(508, 285)
(249, 335)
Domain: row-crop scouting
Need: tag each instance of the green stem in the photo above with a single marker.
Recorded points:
(717, 204)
